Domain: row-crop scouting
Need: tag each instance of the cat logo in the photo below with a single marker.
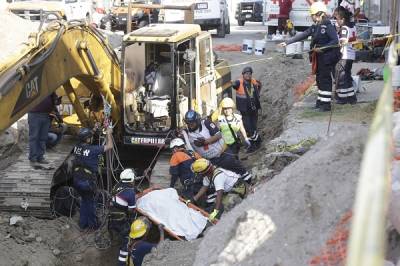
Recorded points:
(32, 87)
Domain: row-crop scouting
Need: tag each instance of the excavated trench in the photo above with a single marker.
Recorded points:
(277, 98)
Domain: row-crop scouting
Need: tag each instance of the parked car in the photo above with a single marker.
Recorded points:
(209, 14)
(249, 11)
(67, 9)
(300, 14)
(117, 18)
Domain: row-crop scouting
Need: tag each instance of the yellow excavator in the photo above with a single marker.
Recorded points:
(164, 70)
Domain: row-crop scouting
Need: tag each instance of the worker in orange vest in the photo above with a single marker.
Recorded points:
(248, 104)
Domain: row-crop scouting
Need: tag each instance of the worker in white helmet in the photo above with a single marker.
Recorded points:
(123, 205)
(325, 52)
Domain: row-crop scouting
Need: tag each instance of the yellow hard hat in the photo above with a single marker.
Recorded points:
(139, 227)
(227, 103)
(317, 7)
(201, 166)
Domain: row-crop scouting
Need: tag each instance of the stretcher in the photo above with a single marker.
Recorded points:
(155, 221)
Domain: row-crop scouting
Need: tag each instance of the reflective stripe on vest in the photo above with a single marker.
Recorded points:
(240, 92)
(225, 130)
(209, 151)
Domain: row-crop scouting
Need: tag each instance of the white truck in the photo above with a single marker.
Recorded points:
(209, 14)
(67, 9)
(300, 15)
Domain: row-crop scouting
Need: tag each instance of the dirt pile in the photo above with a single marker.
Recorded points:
(14, 31)
(303, 203)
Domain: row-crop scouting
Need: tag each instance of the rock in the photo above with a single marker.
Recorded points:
(279, 160)
(56, 252)
(30, 238)
(78, 258)
(388, 263)
(3, 220)
(39, 239)
(16, 220)
(230, 200)
(8, 137)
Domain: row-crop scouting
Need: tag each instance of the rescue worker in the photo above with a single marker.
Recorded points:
(248, 104)
(323, 34)
(85, 171)
(344, 82)
(39, 124)
(122, 209)
(353, 6)
(138, 245)
(206, 139)
(230, 124)
(285, 6)
(56, 130)
(180, 164)
(223, 180)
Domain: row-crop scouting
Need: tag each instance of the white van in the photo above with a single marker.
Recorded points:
(300, 15)
(67, 9)
(209, 14)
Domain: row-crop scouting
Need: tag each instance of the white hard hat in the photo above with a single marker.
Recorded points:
(127, 176)
(317, 7)
(177, 142)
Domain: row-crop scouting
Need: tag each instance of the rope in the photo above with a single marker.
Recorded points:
(389, 37)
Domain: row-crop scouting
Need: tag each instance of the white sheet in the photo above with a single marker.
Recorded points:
(164, 206)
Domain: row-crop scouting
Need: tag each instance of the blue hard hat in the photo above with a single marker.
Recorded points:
(192, 116)
(85, 133)
(247, 69)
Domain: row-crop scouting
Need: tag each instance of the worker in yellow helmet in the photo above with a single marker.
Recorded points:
(138, 245)
(230, 124)
(325, 52)
(223, 180)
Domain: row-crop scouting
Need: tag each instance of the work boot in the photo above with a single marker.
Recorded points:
(43, 161)
(340, 101)
(317, 104)
(325, 108)
(352, 100)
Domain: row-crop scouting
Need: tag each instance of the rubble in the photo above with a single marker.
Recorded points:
(16, 220)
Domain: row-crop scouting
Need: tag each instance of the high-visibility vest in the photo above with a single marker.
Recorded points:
(241, 93)
(225, 130)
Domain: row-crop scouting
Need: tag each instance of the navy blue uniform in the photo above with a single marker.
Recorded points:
(180, 167)
(120, 221)
(323, 35)
(85, 181)
(139, 250)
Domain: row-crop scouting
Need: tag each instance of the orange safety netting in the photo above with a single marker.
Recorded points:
(334, 252)
(301, 88)
(396, 100)
(228, 47)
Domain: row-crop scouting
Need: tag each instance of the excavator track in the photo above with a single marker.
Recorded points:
(160, 176)
(25, 190)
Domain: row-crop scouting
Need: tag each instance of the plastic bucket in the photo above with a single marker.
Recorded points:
(356, 83)
(259, 47)
(306, 46)
(294, 48)
(247, 46)
(299, 48)
(396, 76)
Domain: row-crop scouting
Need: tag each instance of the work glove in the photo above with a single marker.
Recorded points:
(199, 142)
(247, 143)
(191, 200)
(213, 216)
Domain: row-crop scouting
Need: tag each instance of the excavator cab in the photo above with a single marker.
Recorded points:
(167, 70)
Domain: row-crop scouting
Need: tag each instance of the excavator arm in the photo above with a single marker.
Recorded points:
(54, 57)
